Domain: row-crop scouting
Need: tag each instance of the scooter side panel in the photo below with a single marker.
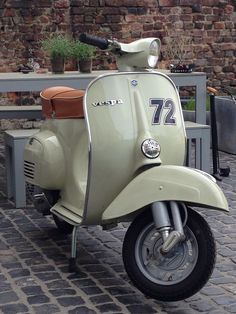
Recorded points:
(122, 110)
(166, 183)
(72, 135)
(59, 158)
(44, 161)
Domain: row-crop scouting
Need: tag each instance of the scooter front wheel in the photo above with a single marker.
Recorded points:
(176, 275)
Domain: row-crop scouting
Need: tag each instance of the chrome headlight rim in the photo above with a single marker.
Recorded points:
(153, 53)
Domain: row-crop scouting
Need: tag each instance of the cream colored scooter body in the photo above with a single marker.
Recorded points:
(124, 161)
(100, 168)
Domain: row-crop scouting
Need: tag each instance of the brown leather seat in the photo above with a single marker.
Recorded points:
(62, 102)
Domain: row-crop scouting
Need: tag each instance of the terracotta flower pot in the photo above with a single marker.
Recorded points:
(85, 65)
(58, 65)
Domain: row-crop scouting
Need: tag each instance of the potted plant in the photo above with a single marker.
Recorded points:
(58, 46)
(83, 53)
(176, 50)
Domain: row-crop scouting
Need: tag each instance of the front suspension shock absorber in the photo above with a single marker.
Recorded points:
(163, 224)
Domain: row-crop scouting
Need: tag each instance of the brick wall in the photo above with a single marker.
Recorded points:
(211, 25)
(24, 23)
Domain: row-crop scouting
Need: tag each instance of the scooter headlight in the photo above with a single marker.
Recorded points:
(141, 54)
(154, 50)
(151, 148)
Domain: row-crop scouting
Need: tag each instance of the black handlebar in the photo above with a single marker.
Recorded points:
(99, 42)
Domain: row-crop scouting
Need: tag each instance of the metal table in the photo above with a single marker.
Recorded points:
(19, 82)
(21, 112)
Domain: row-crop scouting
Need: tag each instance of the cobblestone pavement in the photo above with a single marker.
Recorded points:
(34, 274)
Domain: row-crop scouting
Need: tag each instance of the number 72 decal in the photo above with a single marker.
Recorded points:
(160, 105)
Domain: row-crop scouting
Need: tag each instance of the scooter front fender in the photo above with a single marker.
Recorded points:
(166, 183)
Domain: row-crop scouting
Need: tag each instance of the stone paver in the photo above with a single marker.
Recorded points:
(34, 274)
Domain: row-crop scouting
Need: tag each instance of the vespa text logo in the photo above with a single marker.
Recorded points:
(111, 102)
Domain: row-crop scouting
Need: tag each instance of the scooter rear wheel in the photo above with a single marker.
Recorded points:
(62, 225)
(176, 275)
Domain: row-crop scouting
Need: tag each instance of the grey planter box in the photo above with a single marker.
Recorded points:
(190, 115)
(225, 108)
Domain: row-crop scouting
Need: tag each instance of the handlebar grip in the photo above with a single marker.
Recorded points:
(99, 42)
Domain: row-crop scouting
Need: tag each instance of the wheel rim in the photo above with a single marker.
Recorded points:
(167, 269)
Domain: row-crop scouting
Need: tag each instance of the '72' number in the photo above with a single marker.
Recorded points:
(160, 104)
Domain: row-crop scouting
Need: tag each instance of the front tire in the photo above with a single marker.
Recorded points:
(180, 273)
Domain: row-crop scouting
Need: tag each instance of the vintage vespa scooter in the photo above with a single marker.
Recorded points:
(120, 157)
